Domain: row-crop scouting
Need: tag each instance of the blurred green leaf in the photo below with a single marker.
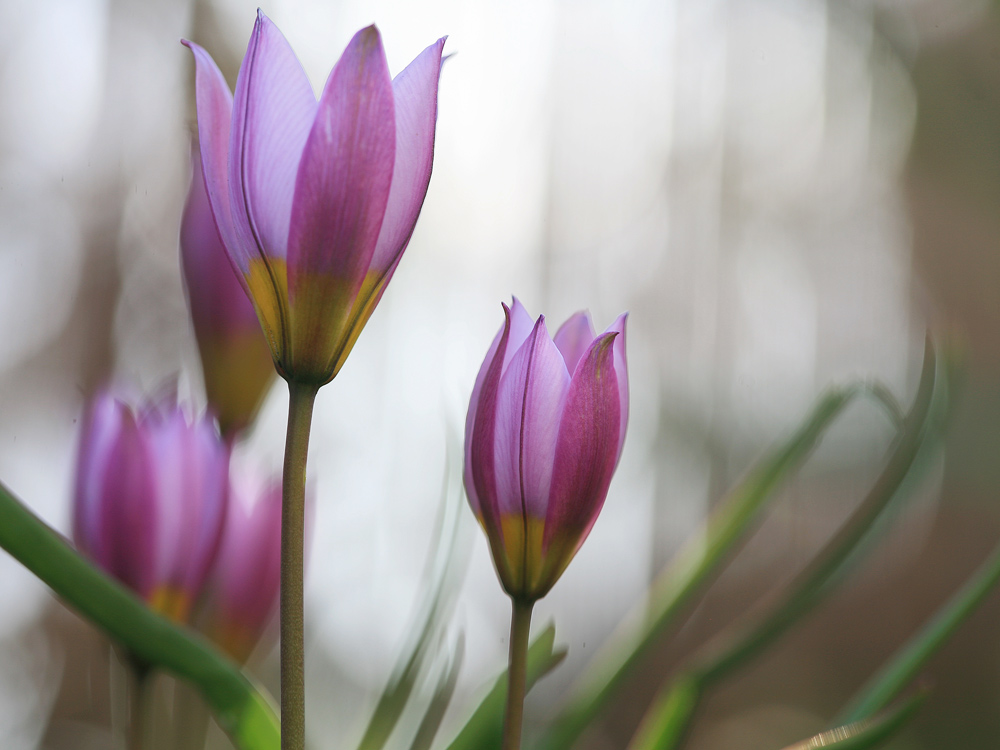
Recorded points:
(867, 733)
(695, 566)
(240, 707)
(443, 693)
(484, 729)
(444, 576)
(667, 719)
(904, 665)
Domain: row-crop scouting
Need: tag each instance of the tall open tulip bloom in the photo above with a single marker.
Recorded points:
(316, 201)
(235, 359)
(543, 436)
(150, 499)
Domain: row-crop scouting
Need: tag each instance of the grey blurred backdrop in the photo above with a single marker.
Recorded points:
(784, 193)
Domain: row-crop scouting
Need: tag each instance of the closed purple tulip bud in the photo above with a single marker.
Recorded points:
(243, 585)
(543, 436)
(150, 500)
(316, 201)
(235, 358)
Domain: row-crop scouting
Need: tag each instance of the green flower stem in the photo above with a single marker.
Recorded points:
(301, 397)
(520, 625)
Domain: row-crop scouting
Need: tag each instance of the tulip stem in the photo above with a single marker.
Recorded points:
(293, 486)
(520, 625)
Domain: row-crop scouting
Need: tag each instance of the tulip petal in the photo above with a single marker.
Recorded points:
(621, 371)
(129, 511)
(586, 452)
(245, 576)
(480, 479)
(219, 304)
(415, 92)
(415, 95)
(99, 434)
(573, 338)
(344, 178)
(215, 114)
(532, 392)
(517, 325)
(273, 111)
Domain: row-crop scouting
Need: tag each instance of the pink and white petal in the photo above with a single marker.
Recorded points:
(573, 338)
(519, 323)
(257, 592)
(101, 425)
(621, 371)
(587, 446)
(521, 326)
(415, 92)
(345, 174)
(215, 114)
(216, 295)
(528, 410)
(545, 389)
(273, 112)
(480, 465)
(166, 435)
(208, 470)
(470, 418)
(130, 511)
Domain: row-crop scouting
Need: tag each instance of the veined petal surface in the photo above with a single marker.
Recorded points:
(574, 337)
(215, 115)
(273, 111)
(587, 447)
(529, 406)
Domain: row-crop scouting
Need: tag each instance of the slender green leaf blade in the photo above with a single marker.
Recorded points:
(665, 723)
(444, 577)
(867, 733)
(907, 662)
(241, 709)
(691, 571)
(443, 692)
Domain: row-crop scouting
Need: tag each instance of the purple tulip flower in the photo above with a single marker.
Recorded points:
(243, 585)
(543, 436)
(235, 359)
(316, 201)
(150, 500)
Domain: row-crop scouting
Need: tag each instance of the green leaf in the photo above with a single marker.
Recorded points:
(667, 719)
(484, 729)
(443, 692)
(694, 568)
(904, 665)
(666, 722)
(444, 575)
(867, 733)
(241, 708)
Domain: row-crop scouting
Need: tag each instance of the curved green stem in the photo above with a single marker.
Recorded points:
(293, 492)
(520, 625)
